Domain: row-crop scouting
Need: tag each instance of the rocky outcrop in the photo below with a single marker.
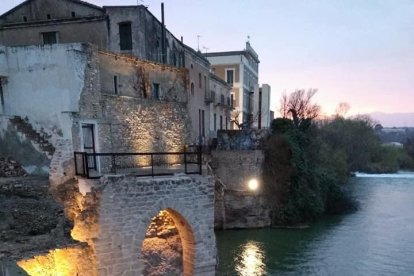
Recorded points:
(31, 221)
(162, 250)
(245, 210)
(248, 139)
(10, 168)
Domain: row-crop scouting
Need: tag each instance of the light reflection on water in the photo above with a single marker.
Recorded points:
(376, 240)
(250, 261)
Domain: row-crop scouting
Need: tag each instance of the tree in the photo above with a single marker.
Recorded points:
(235, 115)
(299, 107)
(342, 109)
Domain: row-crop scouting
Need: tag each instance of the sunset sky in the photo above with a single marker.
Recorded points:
(359, 52)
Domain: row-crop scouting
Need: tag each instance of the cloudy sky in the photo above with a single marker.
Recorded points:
(359, 52)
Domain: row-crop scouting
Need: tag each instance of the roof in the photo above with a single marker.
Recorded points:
(232, 53)
(196, 53)
(74, 1)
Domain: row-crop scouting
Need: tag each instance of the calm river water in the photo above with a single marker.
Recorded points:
(378, 239)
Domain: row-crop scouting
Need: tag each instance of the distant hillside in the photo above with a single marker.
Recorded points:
(394, 119)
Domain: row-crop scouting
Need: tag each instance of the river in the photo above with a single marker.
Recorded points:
(378, 239)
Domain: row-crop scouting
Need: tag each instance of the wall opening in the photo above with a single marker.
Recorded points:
(168, 247)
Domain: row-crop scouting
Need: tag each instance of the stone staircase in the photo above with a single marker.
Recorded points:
(41, 139)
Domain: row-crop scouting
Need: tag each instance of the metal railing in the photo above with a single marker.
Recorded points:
(95, 165)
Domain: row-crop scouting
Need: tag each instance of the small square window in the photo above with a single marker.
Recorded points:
(73, 14)
(49, 38)
(48, 16)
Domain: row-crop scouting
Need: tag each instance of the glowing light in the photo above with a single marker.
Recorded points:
(250, 261)
(253, 184)
(61, 262)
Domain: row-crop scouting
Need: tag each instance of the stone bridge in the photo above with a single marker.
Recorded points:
(127, 206)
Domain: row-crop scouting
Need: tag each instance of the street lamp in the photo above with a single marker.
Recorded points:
(253, 184)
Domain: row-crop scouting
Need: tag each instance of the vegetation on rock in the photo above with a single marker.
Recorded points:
(308, 162)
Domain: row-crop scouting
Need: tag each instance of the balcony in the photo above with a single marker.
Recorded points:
(95, 165)
(210, 97)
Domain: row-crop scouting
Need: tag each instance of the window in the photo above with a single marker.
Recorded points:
(24, 18)
(228, 101)
(73, 14)
(215, 123)
(203, 123)
(222, 99)
(205, 84)
(48, 16)
(115, 85)
(125, 36)
(156, 90)
(232, 100)
(226, 123)
(1, 97)
(213, 96)
(230, 76)
(192, 89)
(221, 122)
(49, 38)
(199, 80)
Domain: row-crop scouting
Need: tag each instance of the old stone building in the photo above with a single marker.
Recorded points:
(131, 30)
(77, 98)
(73, 95)
(127, 30)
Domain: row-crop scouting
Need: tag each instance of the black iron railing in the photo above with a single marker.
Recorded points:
(94, 165)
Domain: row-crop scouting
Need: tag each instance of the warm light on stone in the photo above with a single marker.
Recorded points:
(253, 184)
(61, 262)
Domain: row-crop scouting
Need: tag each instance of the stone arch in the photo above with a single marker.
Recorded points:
(126, 211)
(183, 221)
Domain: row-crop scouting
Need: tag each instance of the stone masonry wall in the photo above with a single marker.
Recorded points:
(235, 168)
(248, 139)
(238, 207)
(133, 119)
(127, 206)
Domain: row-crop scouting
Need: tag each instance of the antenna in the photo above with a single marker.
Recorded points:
(198, 42)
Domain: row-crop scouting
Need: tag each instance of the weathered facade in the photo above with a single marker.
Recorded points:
(129, 105)
(130, 30)
(220, 105)
(36, 22)
(127, 30)
(198, 96)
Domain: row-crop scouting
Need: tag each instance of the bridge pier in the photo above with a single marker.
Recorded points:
(127, 207)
